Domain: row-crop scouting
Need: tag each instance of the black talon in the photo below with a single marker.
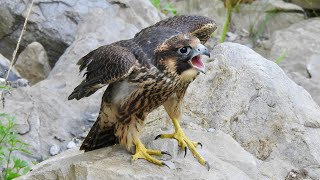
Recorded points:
(200, 144)
(157, 137)
(164, 164)
(185, 151)
(207, 165)
(165, 152)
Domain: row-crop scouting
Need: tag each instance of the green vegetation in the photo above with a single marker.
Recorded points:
(10, 165)
(229, 5)
(281, 57)
(257, 33)
(226, 26)
(165, 7)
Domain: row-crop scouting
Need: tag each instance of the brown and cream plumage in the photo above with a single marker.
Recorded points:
(152, 69)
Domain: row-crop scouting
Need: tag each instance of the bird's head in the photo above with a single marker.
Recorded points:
(181, 55)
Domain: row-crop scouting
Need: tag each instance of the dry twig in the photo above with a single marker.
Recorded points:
(13, 60)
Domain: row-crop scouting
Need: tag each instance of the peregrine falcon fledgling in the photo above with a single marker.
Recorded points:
(152, 69)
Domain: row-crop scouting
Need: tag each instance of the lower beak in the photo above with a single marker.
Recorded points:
(196, 61)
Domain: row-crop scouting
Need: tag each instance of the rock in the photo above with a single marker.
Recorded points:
(33, 63)
(4, 66)
(231, 36)
(277, 15)
(71, 145)
(6, 21)
(249, 16)
(18, 83)
(310, 4)
(114, 163)
(22, 82)
(54, 24)
(253, 100)
(91, 117)
(42, 111)
(54, 150)
(273, 126)
(313, 67)
(210, 8)
(301, 42)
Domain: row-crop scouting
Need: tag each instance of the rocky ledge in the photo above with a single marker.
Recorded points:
(269, 128)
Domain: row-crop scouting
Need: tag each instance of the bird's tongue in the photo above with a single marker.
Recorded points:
(197, 63)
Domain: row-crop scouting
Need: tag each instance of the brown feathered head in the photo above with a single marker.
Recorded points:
(181, 55)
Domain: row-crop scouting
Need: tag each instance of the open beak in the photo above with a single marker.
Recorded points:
(196, 61)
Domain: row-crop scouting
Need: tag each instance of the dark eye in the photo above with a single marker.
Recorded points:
(184, 50)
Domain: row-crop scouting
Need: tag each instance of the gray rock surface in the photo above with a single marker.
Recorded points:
(44, 115)
(71, 145)
(273, 126)
(32, 63)
(54, 23)
(210, 8)
(54, 150)
(115, 163)
(249, 15)
(309, 4)
(313, 67)
(4, 67)
(301, 42)
(277, 15)
(254, 122)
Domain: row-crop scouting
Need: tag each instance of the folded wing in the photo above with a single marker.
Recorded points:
(103, 66)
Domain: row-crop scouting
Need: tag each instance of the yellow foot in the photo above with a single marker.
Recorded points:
(144, 153)
(184, 142)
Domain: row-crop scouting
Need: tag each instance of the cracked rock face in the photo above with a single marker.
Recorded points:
(253, 100)
(301, 42)
(51, 23)
(33, 63)
(254, 122)
(44, 115)
(273, 126)
(54, 23)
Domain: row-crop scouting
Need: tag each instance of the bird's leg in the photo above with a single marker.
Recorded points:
(143, 153)
(173, 108)
(184, 141)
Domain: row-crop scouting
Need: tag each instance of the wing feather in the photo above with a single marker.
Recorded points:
(103, 66)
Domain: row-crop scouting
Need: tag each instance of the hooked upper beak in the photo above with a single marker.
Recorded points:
(196, 61)
(201, 50)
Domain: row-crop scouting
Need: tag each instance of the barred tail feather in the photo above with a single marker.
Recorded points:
(99, 137)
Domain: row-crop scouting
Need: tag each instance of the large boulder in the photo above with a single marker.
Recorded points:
(273, 126)
(229, 161)
(54, 23)
(260, 18)
(253, 100)
(307, 4)
(4, 67)
(301, 44)
(33, 63)
(44, 116)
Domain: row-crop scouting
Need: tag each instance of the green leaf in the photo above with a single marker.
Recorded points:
(168, 7)
(5, 87)
(25, 170)
(19, 163)
(281, 57)
(156, 3)
(11, 174)
(22, 150)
